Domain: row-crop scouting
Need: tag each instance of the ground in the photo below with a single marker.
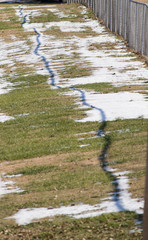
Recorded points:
(60, 148)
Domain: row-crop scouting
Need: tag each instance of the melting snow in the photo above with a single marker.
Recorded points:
(123, 105)
(13, 176)
(5, 87)
(4, 118)
(8, 187)
(84, 145)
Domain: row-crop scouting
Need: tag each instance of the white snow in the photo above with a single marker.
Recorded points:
(7, 187)
(12, 176)
(5, 86)
(23, 115)
(85, 133)
(123, 105)
(4, 118)
(136, 230)
(84, 145)
(11, 53)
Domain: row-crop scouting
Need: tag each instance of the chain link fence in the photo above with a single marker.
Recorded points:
(128, 18)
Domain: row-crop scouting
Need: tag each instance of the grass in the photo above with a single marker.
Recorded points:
(104, 45)
(110, 226)
(80, 178)
(36, 169)
(57, 33)
(76, 9)
(9, 19)
(75, 71)
(74, 15)
(128, 69)
(49, 126)
(42, 144)
(108, 88)
(28, 81)
(45, 16)
(63, 183)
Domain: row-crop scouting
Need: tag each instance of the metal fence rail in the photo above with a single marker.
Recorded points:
(125, 17)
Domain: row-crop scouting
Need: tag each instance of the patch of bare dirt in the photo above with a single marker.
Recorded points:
(57, 159)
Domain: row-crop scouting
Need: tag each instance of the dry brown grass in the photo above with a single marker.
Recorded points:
(137, 187)
(56, 159)
(133, 88)
(104, 46)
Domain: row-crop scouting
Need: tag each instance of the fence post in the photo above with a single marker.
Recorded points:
(111, 15)
(145, 218)
(107, 14)
(120, 17)
(142, 36)
(116, 18)
(129, 20)
(125, 19)
(136, 26)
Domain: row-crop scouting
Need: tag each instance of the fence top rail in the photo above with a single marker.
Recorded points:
(144, 4)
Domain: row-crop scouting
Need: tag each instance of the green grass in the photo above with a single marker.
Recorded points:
(49, 126)
(36, 170)
(83, 177)
(28, 81)
(98, 87)
(12, 21)
(7, 25)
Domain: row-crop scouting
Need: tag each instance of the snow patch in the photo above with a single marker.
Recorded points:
(7, 187)
(5, 86)
(84, 145)
(121, 105)
(12, 176)
(4, 118)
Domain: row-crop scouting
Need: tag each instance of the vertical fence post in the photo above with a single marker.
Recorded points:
(120, 17)
(100, 8)
(125, 19)
(129, 20)
(142, 36)
(111, 15)
(145, 218)
(95, 8)
(136, 26)
(116, 11)
(107, 14)
(104, 11)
